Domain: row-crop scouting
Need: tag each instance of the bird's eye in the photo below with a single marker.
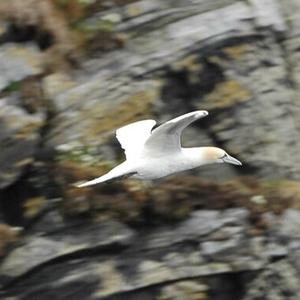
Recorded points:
(225, 155)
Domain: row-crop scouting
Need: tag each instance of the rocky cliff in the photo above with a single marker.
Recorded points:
(72, 72)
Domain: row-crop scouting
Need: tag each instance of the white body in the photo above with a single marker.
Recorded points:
(151, 155)
(157, 167)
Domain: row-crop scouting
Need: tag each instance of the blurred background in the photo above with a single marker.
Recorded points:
(72, 72)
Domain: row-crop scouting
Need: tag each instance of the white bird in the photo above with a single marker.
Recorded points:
(158, 153)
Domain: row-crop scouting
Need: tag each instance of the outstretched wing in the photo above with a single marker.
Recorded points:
(132, 137)
(166, 138)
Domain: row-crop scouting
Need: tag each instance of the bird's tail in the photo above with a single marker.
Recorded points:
(119, 171)
(100, 179)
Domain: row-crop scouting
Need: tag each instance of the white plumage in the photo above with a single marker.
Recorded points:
(151, 155)
(132, 137)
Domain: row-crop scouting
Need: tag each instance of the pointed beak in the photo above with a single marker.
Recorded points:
(231, 160)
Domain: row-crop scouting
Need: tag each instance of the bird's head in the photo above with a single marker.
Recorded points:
(218, 155)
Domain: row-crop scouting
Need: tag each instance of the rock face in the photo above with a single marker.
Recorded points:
(111, 261)
(20, 126)
(237, 69)
(17, 63)
(19, 137)
(173, 58)
(71, 72)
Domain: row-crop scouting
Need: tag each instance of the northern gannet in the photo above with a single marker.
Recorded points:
(158, 153)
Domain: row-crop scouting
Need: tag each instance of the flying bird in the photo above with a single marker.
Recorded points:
(158, 153)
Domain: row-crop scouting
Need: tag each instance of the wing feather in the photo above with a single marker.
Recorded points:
(166, 138)
(132, 137)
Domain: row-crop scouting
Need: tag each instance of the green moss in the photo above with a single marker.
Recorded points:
(64, 3)
(12, 87)
(94, 26)
(86, 2)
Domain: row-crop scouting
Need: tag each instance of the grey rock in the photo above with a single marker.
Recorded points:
(144, 260)
(34, 252)
(19, 136)
(288, 224)
(50, 220)
(261, 145)
(171, 32)
(107, 105)
(276, 250)
(225, 233)
(200, 224)
(285, 227)
(221, 250)
(279, 280)
(39, 250)
(184, 290)
(246, 72)
(269, 13)
(294, 256)
(235, 216)
(18, 62)
(158, 48)
(290, 10)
